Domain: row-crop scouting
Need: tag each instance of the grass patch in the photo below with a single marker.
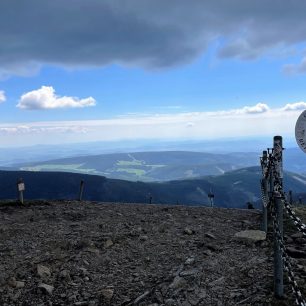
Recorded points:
(138, 172)
(60, 167)
(130, 162)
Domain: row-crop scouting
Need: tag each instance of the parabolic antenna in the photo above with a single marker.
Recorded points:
(300, 131)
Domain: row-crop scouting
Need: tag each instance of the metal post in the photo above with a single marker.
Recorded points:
(278, 258)
(265, 187)
(265, 208)
(271, 181)
(278, 157)
(81, 190)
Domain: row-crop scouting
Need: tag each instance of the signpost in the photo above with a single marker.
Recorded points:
(300, 131)
(211, 197)
(20, 189)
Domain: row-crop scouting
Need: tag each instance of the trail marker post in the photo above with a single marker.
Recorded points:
(81, 190)
(20, 189)
(211, 197)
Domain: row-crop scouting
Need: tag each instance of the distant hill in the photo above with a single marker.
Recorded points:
(232, 189)
(148, 166)
(160, 166)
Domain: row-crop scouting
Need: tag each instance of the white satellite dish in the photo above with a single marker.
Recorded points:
(300, 131)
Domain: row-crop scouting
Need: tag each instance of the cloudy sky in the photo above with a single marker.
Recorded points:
(89, 70)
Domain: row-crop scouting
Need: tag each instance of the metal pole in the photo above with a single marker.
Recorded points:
(81, 190)
(278, 258)
(265, 187)
(271, 182)
(265, 208)
(278, 157)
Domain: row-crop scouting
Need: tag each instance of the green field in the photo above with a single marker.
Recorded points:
(137, 172)
(130, 163)
(60, 167)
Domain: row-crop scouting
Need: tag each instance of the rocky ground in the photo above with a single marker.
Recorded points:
(71, 253)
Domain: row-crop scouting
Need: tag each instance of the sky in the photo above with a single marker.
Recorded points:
(92, 70)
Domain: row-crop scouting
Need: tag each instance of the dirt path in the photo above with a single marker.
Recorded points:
(70, 253)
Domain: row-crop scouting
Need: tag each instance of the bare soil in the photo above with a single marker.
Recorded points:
(85, 253)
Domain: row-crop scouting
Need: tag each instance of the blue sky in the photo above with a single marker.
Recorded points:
(148, 72)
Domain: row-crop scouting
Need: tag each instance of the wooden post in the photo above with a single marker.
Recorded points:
(81, 190)
(20, 189)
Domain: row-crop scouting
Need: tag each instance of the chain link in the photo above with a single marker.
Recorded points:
(287, 262)
(263, 195)
(278, 188)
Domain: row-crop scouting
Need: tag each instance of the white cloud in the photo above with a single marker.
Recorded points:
(256, 109)
(2, 96)
(45, 98)
(42, 129)
(294, 106)
(241, 122)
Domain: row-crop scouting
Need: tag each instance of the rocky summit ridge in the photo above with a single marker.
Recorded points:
(86, 253)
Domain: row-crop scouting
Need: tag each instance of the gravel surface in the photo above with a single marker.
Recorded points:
(72, 253)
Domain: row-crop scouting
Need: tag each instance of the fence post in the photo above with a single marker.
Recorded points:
(278, 258)
(265, 187)
(278, 157)
(81, 190)
(271, 181)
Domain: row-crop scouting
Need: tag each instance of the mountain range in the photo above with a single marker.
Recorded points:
(231, 189)
(160, 166)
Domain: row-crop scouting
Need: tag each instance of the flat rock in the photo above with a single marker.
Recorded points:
(19, 284)
(295, 253)
(107, 294)
(178, 282)
(108, 243)
(188, 231)
(43, 271)
(251, 235)
(48, 289)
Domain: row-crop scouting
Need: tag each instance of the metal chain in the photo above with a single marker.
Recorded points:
(287, 262)
(263, 195)
(296, 220)
(277, 187)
